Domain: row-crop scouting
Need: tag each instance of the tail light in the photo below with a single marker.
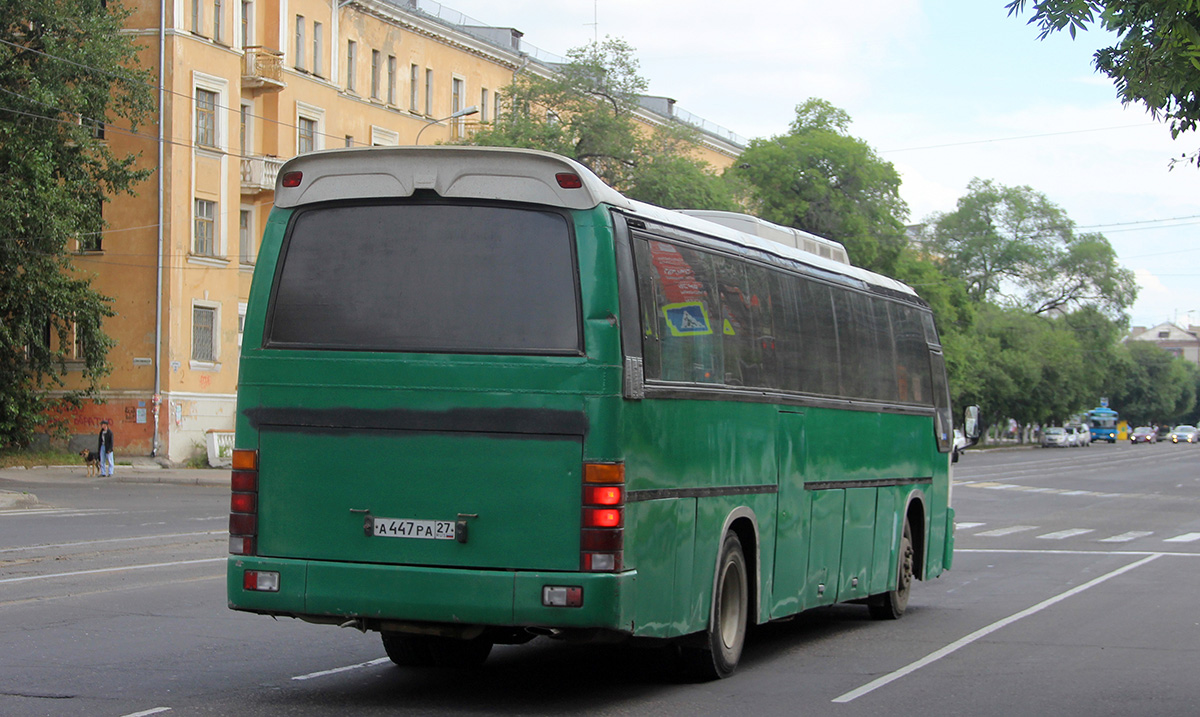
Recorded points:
(243, 504)
(602, 537)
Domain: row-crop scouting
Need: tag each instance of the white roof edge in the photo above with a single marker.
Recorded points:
(521, 175)
(695, 221)
(513, 174)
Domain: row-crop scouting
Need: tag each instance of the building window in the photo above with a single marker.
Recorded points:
(483, 105)
(318, 48)
(244, 128)
(247, 23)
(204, 334)
(457, 88)
(349, 140)
(391, 80)
(298, 48)
(206, 118)
(218, 11)
(246, 236)
(204, 240)
(414, 80)
(196, 26)
(429, 92)
(306, 130)
(77, 346)
(375, 55)
(351, 63)
(241, 321)
(496, 109)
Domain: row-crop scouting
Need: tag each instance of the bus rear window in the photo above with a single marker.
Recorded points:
(436, 278)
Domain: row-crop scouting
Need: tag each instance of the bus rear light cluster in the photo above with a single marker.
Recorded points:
(263, 581)
(243, 504)
(602, 538)
(562, 596)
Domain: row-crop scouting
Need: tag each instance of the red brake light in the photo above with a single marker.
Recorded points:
(243, 503)
(602, 517)
(292, 179)
(603, 495)
(568, 180)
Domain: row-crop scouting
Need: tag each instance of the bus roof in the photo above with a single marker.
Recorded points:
(532, 176)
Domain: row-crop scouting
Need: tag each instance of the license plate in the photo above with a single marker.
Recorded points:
(404, 528)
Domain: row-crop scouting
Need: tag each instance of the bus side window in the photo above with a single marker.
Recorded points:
(680, 297)
(747, 337)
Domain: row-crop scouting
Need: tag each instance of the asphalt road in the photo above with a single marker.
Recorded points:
(1073, 593)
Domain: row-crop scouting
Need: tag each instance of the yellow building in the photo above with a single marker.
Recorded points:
(247, 84)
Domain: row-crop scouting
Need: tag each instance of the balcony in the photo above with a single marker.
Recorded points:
(263, 69)
(258, 174)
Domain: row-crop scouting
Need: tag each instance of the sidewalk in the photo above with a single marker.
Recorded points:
(143, 469)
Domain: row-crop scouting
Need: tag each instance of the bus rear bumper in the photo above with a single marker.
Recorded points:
(324, 590)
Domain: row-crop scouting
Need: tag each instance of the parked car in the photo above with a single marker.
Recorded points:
(1055, 436)
(1083, 437)
(1143, 434)
(1184, 434)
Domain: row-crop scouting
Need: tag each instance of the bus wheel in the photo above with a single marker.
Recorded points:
(891, 605)
(408, 650)
(726, 634)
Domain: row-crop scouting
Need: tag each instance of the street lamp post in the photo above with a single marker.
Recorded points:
(473, 109)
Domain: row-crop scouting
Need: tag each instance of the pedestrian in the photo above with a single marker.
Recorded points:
(106, 449)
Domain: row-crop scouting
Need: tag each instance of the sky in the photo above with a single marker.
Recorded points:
(945, 90)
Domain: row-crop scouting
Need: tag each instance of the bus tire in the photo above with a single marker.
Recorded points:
(407, 650)
(726, 633)
(892, 604)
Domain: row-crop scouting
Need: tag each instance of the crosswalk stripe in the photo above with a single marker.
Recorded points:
(999, 532)
(968, 526)
(1185, 538)
(1064, 534)
(1126, 537)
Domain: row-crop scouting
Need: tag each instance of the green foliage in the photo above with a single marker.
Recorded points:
(1156, 60)
(1014, 247)
(56, 86)
(820, 179)
(585, 111)
(1157, 387)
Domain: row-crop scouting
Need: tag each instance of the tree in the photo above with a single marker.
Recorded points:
(1013, 246)
(820, 179)
(1157, 387)
(1156, 60)
(58, 88)
(585, 110)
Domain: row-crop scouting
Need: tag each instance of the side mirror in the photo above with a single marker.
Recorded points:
(971, 423)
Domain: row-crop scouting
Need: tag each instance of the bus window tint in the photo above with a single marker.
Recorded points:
(748, 340)
(427, 278)
(682, 334)
(787, 337)
(912, 363)
(819, 360)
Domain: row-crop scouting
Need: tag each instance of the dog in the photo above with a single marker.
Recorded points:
(92, 460)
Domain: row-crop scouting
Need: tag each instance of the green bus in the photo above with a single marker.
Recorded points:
(483, 397)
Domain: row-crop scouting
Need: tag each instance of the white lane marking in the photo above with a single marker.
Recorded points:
(58, 511)
(968, 526)
(1185, 538)
(347, 668)
(985, 631)
(111, 570)
(1126, 537)
(145, 713)
(1000, 532)
(45, 546)
(1064, 534)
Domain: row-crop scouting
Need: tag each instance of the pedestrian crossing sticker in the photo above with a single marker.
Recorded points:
(687, 319)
